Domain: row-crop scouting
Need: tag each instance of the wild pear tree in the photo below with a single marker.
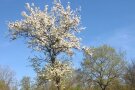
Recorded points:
(52, 32)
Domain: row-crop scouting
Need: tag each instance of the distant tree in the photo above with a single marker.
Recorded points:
(75, 81)
(7, 78)
(3, 86)
(130, 75)
(25, 83)
(52, 32)
(15, 85)
(104, 66)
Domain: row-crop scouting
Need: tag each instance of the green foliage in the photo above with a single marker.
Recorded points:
(104, 66)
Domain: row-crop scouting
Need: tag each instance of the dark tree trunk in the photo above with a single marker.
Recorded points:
(103, 88)
(58, 87)
(53, 59)
(58, 83)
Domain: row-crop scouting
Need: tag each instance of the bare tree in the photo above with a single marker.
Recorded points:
(130, 75)
(25, 83)
(104, 66)
(7, 78)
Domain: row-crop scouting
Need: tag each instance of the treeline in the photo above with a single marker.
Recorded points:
(105, 69)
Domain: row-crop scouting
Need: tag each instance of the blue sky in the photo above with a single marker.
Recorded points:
(108, 22)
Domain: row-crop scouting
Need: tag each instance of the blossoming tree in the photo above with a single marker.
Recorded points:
(52, 32)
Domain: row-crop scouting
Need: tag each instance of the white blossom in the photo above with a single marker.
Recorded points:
(44, 28)
(87, 50)
(51, 31)
(60, 70)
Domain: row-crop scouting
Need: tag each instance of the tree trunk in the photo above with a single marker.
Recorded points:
(103, 88)
(58, 87)
(58, 83)
(53, 59)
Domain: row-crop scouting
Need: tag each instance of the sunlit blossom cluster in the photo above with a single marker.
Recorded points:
(54, 28)
(60, 71)
(88, 50)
